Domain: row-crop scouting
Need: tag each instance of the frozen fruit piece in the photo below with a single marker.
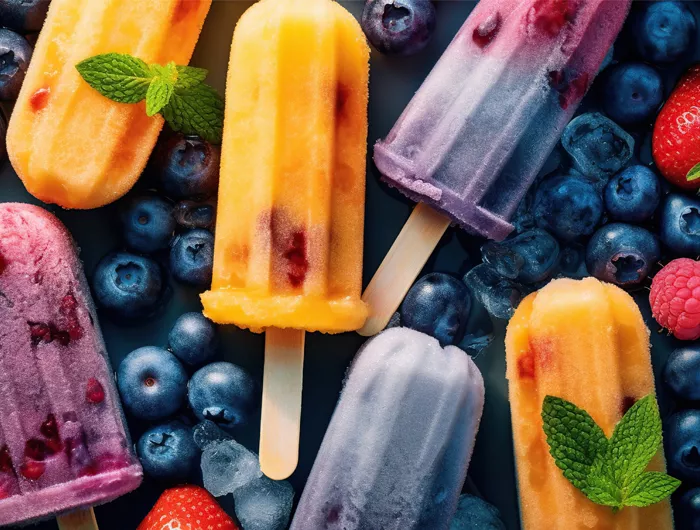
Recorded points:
(598, 146)
(178, 507)
(682, 372)
(168, 452)
(675, 298)
(632, 93)
(15, 54)
(54, 438)
(633, 194)
(664, 30)
(474, 513)
(193, 339)
(499, 295)
(187, 167)
(400, 27)
(147, 223)
(192, 257)
(680, 224)
(264, 504)
(227, 466)
(528, 257)
(683, 445)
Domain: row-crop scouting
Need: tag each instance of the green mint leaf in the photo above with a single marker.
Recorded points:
(189, 76)
(574, 439)
(196, 110)
(600, 487)
(651, 487)
(635, 441)
(117, 76)
(694, 173)
(161, 88)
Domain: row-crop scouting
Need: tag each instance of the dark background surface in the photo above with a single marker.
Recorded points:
(393, 82)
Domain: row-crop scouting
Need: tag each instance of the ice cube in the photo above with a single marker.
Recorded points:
(208, 432)
(479, 332)
(474, 513)
(228, 466)
(527, 258)
(598, 146)
(499, 295)
(264, 504)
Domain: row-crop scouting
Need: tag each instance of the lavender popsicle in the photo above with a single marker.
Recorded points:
(478, 131)
(63, 444)
(396, 453)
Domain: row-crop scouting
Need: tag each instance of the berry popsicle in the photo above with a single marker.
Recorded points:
(289, 230)
(63, 443)
(70, 145)
(585, 342)
(396, 452)
(478, 131)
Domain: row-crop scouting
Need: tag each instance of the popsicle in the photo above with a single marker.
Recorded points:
(289, 230)
(396, 452)
(478, 131)
(70, 145)
(585, 342)
(63, 443)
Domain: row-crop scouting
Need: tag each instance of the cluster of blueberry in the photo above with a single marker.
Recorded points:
(599, 208)
(172, 226)
(155, 384)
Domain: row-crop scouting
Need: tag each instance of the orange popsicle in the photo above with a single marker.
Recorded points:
(289, 232)
(70, 145)
(585, 342)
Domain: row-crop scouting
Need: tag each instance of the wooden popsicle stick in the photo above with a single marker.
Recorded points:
(80, 520)
(281, 402)
(401, 266)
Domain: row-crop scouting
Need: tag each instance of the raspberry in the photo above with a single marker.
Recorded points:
(675, 298)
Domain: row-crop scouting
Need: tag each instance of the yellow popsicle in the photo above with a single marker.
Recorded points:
(586, 342)
(70, 145)
(289, 232)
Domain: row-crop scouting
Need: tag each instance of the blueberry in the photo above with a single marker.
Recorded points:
(664, 31)
(686, 511)
(152, 383)
(568, 207)
(192, 257)
(399, 27)
(3, 135)
(683, 445)
(147, 223)
(15, 54)
(193, 339)
(168, 452)
(682, 372)
(438, 305)
(188, 167)
(474, 513)
(633, 195)
(529, 257)
(23, 15)
(128, 287)
(223, 393)
(598, 146)
(632, 92)
(622, 254)
(680, 225)
(190, 214)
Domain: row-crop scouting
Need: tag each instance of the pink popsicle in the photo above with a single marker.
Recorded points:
(63, 443)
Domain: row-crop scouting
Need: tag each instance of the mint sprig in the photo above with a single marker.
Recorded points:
(694, 173)
(611, 472)
(177, 92)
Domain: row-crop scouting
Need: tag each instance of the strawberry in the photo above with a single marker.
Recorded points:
(187, 508)
(676, 140)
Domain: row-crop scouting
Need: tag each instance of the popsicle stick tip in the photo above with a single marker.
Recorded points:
(401, 266)
(281, 402)
(79, 520)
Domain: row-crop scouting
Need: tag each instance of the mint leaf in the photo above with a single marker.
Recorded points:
(161, 88)
(189, 76)
(117, 76)
(574, 439)
(694, 173)
(635, 441)
(651, 487)
(196, 110)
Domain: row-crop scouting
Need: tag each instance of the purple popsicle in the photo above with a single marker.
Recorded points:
(63, 443)
(474, 137)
